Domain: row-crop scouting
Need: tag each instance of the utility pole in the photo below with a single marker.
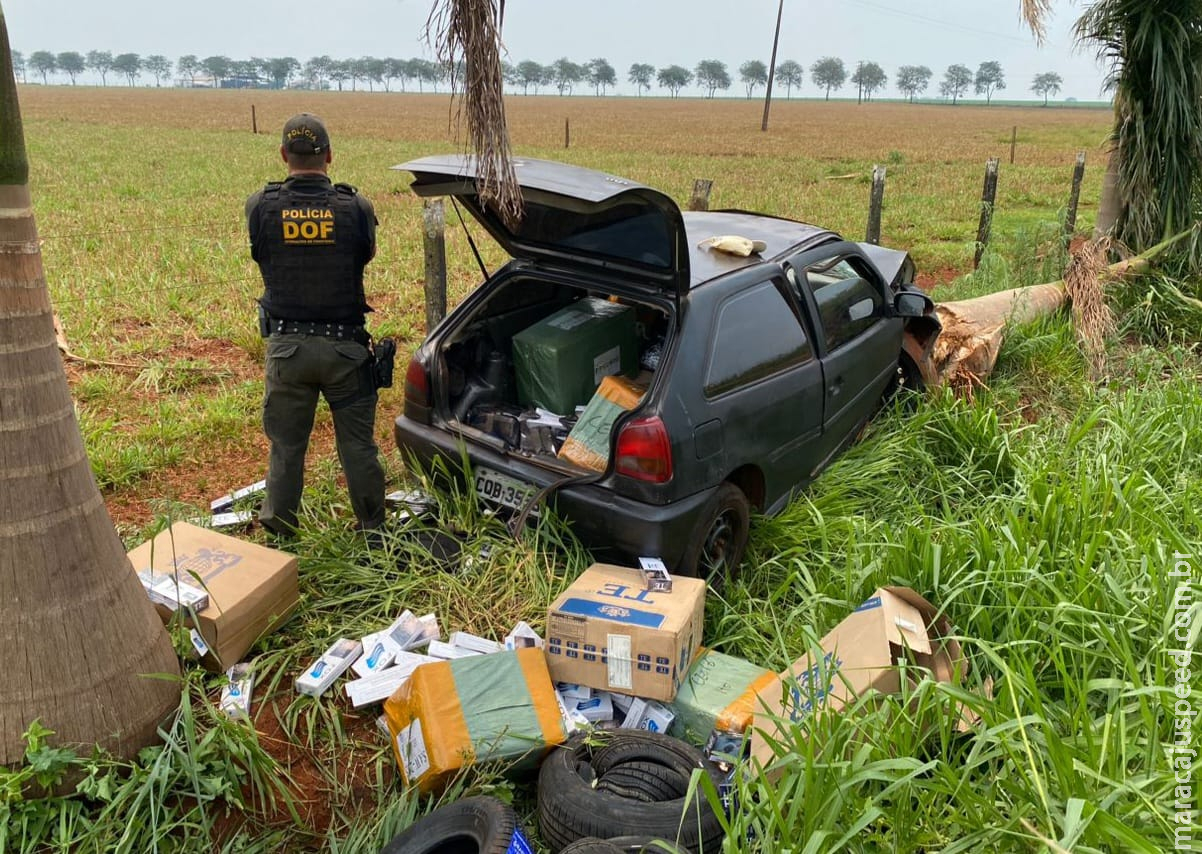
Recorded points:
(772, 67)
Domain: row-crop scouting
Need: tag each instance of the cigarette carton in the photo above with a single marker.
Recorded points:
(380, 686)
(225, 502)
(236, 693)
(522, 636)
(448, 652)
(168, 591)
(655, 575)
(232, 519)
(475, 643)
(406, 632)
(572, 691)
(648, 715)
(332, 664)
(597, 708)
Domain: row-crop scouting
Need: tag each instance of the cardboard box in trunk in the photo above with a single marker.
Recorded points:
(252, 589)
(608, 632)
(866, 651)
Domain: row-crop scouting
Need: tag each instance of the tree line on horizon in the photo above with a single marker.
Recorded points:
(563, 75)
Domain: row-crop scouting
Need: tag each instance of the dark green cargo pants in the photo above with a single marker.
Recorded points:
(298, 368)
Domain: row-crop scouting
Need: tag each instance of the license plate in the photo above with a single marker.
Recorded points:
(501, 489)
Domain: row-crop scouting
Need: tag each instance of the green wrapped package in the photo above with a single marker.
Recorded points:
(719, 692)
(449, 714)
(560, 361)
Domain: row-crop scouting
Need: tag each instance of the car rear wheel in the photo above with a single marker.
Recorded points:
(717, 543)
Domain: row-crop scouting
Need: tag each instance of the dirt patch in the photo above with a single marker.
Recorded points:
(329, 786)
(928, 281)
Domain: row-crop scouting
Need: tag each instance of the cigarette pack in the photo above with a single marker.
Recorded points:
(225, 502)
(380, 686)
(333, 663)
(235, 695)
(475, 643)
(413, 501)
(655, 575)
(164, 589)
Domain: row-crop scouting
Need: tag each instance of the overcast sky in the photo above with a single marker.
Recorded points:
(935, 33)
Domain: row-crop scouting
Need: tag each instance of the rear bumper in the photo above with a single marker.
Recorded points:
(608, 524)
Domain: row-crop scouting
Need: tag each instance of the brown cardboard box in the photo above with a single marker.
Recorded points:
(252, 589)
(607, 632)
(894, 625)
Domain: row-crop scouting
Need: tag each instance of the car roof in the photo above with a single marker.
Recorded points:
(782, 236)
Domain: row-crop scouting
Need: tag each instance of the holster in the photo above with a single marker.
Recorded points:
(383, 357)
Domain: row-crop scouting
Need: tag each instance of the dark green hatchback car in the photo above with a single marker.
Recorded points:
(632, 368)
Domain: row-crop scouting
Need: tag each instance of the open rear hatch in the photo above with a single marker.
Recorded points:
(574, 217)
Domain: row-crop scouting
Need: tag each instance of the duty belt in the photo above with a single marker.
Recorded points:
(341, 331)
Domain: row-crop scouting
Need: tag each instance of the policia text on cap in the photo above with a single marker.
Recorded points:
(312, 239)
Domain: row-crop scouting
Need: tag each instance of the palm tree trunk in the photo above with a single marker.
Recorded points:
(1110, 204)
(77, 634)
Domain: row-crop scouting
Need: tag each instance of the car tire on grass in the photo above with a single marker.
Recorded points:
(481, 824)
(624, 845)
(571, 808)
(718, 541)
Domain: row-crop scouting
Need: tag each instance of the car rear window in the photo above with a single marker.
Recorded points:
(756, 336)
(629, 232)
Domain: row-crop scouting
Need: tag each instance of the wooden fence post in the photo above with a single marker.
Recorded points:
(700, 200)
(567, 133)
(876, 199)
(988, 194)
(1013, 143)
(254, 125)
(435, 246)
(1070, 216)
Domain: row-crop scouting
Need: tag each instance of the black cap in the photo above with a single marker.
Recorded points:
(304, 133)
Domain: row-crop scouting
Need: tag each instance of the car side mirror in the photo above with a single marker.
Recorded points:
(907, 304)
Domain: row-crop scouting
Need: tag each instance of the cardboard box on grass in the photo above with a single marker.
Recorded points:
(450, 714)
(895, 627)
(252, 589)
(718, 693)
(606, 631)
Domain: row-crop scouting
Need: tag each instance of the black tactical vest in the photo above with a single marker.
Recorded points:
(312, 246)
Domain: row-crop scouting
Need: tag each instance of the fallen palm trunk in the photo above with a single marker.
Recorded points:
(973, 330)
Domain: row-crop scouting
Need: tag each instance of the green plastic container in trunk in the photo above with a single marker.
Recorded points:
(561, 360)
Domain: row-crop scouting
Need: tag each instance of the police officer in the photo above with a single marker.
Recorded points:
(312, 239)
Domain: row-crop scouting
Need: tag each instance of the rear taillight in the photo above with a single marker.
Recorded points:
(644, 451)
(417, 384)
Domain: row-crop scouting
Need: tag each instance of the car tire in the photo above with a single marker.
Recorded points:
(648, 782)
(481, 824)
(720, 537)
(624, 845)
(906, 385)
(570, 808)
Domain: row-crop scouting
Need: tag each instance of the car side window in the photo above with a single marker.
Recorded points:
(756, 335)
(849, 303)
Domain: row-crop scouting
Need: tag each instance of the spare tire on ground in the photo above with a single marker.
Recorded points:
(626, 783)
(482, 824)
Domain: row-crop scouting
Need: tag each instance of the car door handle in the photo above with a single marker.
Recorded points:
(835, 387)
